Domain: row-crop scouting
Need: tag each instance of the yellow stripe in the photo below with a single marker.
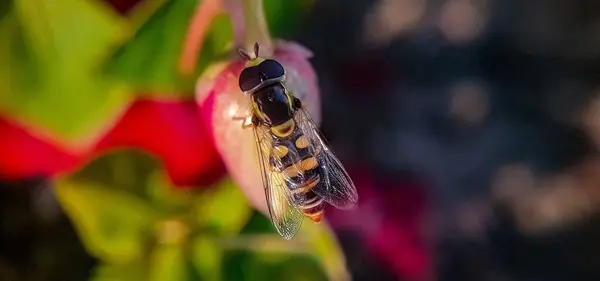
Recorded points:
(309, 163)
(300, 167)
(302, 142)
(280, 151)
(254, 62)
(290, 99)
(291, 171)
(258, 112)
(285, 129)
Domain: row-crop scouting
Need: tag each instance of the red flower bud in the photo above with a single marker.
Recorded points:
(220, 98)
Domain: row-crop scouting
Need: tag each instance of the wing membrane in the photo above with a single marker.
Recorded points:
(286, 218)
(339, 190)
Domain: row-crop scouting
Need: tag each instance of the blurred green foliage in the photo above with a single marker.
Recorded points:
(5, 7)
(51, 53)
(285, 17)
(142, 228)
(149, 60)
(70, 68)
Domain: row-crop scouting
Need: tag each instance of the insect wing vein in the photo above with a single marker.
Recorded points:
(286, 218)
(338, 190)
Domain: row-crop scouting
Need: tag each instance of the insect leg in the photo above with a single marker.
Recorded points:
(247, 121)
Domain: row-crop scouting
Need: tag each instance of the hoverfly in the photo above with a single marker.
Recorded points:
(299, 170)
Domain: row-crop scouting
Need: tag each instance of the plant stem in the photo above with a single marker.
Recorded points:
(256, 27)
(196, 34)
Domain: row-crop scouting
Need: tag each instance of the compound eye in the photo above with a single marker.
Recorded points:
(249, 78)
(272, 69)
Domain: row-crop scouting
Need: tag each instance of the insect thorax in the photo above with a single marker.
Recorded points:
(273, 105)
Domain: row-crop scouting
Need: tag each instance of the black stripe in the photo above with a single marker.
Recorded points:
(308, 177)
(310, 199)
(309, 196)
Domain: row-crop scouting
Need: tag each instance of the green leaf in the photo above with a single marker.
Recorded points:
(317, 240)
(207, 257)
(141, 174)
(223, 209)
(127, 169)
(324, 245)
(285, 17)
(243, 265)
(258, 223)
(5, 7)
(168, 263)
(149, 61)
(51, 53)
(121, 272)
(108, 203)
(165, 197)
(112, 224)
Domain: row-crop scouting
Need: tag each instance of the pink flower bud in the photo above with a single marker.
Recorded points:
(221, 99)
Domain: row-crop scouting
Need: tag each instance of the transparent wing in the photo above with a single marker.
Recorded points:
(286, 218)
(338, 190)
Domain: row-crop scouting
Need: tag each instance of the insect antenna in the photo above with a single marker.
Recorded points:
(256, 47)
(244, 54)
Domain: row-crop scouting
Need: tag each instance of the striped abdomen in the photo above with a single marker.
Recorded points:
(301, 166)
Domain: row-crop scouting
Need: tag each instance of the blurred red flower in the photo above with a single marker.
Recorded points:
(174, 132)
(171, 130)
(24, 155)
(390, 220)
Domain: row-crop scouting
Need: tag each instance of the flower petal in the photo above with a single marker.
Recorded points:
(24, 155)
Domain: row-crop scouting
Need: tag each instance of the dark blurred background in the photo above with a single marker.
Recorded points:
(488, 109)
(456, 92)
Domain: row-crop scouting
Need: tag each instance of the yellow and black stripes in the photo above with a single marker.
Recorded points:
(300, 166)
(313, 206)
